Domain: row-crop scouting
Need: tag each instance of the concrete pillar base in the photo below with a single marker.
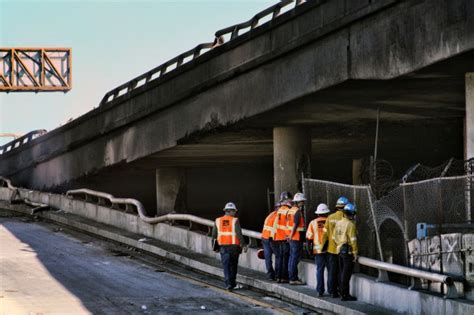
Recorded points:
(169, 183)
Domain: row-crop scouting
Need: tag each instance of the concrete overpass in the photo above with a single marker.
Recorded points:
(298, 94)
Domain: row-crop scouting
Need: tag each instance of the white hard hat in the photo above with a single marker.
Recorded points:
(299, 197)
(322, 209)
(230, 206)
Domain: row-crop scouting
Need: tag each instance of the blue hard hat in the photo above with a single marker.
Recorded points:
(341, 202)
(350, 208)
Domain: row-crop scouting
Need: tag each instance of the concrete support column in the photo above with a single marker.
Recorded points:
(356, 171)
(469, 124)
(291, 158)
(469, 141)
(169, 183)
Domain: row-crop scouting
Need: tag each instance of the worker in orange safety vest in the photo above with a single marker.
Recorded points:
(268, 235)
(296, 236)
(228, 233)
(315, 236)
(280, 246)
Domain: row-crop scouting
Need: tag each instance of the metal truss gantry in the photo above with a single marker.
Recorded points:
(35, 69)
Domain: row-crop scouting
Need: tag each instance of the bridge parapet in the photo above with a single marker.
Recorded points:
(221, 37)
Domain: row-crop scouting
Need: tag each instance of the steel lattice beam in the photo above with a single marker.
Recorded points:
(35, 69)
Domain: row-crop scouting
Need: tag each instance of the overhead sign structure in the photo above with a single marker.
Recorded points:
(35, 69)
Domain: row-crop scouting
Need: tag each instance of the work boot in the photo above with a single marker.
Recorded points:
(320, 294)
(348, 298)
(283, 281)
(335, 295)
(229, 288)
(297, 282)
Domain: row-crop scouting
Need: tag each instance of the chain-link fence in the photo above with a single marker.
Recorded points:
(386, 225)
(319, 191)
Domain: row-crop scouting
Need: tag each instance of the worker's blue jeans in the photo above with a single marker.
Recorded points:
(281, 249)
(296, 248)
(321, 263)
(268, 252)
(333, 272)
(230, 260)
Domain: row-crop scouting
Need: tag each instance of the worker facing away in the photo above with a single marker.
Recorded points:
(345, 238)
(228, 233)
(333, 257)
(315, 236)
(280, 246)
(296, 236)
(268, 235)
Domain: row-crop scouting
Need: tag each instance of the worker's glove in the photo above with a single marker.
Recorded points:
(356, 257)
(244, 249)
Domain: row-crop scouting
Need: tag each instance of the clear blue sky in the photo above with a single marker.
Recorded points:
(111, 41)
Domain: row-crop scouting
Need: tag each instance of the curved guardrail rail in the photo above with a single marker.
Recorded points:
(199, 50)
(21, 140)
(152, 220)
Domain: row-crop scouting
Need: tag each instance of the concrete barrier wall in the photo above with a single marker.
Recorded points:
(387, 295)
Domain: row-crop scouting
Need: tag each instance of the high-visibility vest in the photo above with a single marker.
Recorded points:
(290, 223)
(269, 227)
(316, 234)
(280, 224)
(330, 225)
(226, 230)
(345, 233)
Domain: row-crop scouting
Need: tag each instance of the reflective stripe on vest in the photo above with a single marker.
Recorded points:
(269, 226)
(291, 222)
(280, 224)
(318, 228)
(226, 230)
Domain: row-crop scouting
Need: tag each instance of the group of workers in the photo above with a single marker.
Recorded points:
(331, 238)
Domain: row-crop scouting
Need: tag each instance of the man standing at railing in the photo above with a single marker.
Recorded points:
(296, 237)
(228, 233)
(280, 246)
(268, 235)
(346, 241)
(333, 257)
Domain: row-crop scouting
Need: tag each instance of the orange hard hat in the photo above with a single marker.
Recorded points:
(261, 254)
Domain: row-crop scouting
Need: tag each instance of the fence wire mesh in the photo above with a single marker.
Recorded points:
(438, 202)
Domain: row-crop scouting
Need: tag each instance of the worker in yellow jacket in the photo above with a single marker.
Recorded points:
(345, 238)
(333, 257)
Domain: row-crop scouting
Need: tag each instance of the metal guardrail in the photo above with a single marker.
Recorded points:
(220, 38)
(382, 267)
(21, 140)
(152, 220)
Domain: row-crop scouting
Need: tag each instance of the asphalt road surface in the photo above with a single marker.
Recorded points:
(45, 269)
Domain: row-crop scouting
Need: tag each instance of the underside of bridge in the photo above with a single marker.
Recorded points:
(422, 117)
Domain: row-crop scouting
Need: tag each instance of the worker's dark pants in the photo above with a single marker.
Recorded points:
(296, 249)
(333, 273)
(230, 260)
(321, 263)
(346, 263)
(268, 252)
(282, 251)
